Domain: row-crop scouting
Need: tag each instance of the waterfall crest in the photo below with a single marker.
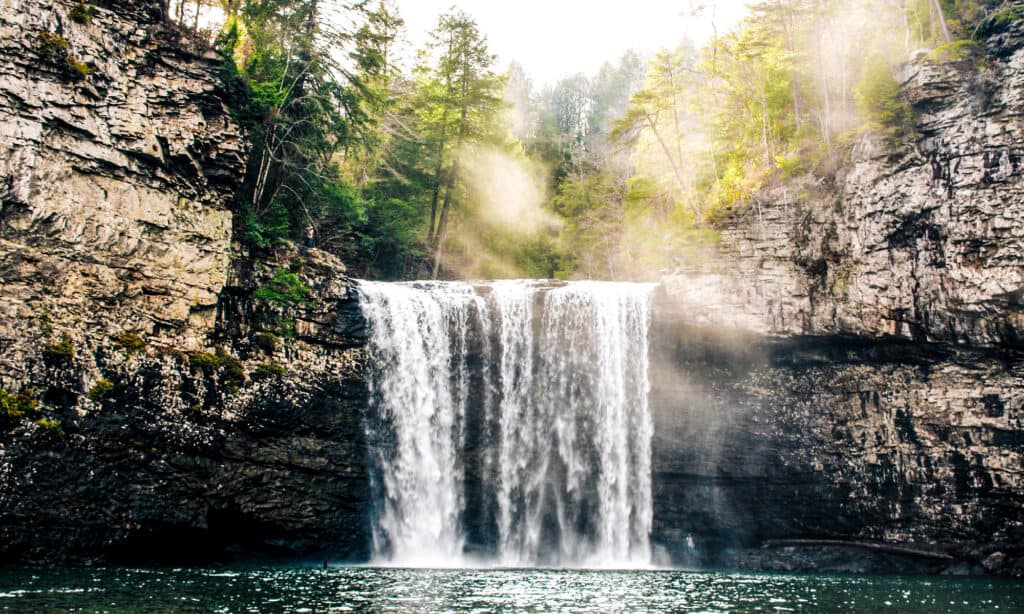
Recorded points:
(529, 396)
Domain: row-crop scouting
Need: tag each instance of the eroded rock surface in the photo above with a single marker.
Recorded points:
(847, 365)
(184, 433)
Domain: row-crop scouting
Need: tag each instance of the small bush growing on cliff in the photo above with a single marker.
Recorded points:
(269, 370)
(60, 352)
(226, 367)
(284, 291)
(1007, 15)
(266, 342)
(55, 48)
(100, 390)
(17, 406)
(954, 51)
(130, 342)
(878, 96)
(52, 425)
(82, 13)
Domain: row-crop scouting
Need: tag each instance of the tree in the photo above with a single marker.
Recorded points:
(303, 107)
(461, 95)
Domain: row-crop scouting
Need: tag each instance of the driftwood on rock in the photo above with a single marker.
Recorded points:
(886, 548)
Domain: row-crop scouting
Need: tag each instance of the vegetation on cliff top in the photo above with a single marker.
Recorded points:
(453, 168)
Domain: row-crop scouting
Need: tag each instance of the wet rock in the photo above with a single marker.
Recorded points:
(994, 562)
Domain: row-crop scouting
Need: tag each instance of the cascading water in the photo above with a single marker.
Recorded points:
(551, 380)
(418, 392)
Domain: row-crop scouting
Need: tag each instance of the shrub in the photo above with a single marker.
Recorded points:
(130, 342)
(61, 351)
(82, 13)
(1008, 15)
(789, 166)
(232, 375)
(204, 362)
(228, 368)
(53, 47)
(269, 370)
(100, 389)
(17, 406)
(52, 425)
(79, 69)
(878, 96)
(266, 342)
(954, 51)
(284, 290)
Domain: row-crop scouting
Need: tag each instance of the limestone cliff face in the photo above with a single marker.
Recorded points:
(113, 186)
(192, 437)
(847, 364)
(922, 241)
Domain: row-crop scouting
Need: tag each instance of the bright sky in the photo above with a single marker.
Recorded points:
(556, 38)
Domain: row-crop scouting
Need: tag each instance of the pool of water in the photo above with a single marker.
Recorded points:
(366, 589)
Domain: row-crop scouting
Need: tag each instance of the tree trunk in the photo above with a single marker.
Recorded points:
(675, 166)
(442, 232)
(940, 18)
(439, 168)
(764, 125)
(442, 223)
(826, 114)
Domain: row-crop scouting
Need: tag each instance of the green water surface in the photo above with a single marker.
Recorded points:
(366, 589)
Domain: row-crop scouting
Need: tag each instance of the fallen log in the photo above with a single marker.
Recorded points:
(874, 546)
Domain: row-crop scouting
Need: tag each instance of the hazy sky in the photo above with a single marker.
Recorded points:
(555, 38)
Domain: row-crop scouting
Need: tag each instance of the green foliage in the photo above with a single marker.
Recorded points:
(100, 390)
(52, 47)
(878, 96)
(131, 342)
(789, 165)
(266, 342)
(269, 371)
(55, 48)
(82, 12)
(51, 425)
(60, 352)
(14, 407)
(954, 51)
(285, 290)
(226, 367)
(303, 109)
(640, 169)
(204, 362)
(78, 68)
(1009, 14)
(265, 230)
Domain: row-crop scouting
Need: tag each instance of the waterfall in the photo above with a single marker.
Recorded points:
(552, 380)
(418, 394)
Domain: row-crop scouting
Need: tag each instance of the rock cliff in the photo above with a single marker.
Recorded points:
(846, 365)
(168, 427)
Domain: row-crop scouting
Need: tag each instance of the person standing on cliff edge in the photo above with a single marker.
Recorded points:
(307, 240)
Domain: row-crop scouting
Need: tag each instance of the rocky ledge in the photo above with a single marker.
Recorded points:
(845, 371)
